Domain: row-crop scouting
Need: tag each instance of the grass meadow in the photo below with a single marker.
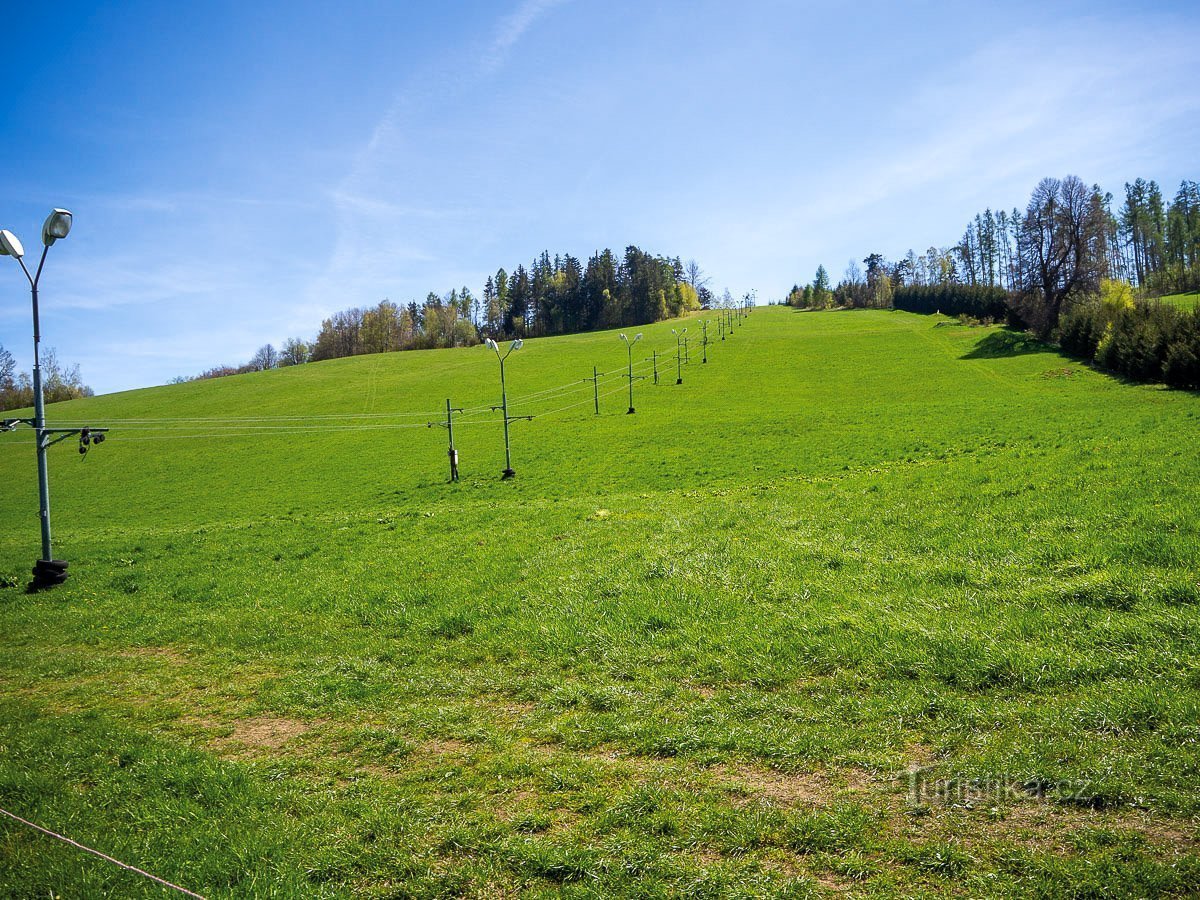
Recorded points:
(1183, 301)
(872, 605)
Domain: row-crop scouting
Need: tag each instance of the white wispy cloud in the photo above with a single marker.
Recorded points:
(386, 227)
(512, 27)
(980, 130)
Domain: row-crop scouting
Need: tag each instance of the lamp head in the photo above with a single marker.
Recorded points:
(10, 244)
(57, 225)
(625, 339)
(490, 344)
(637, 337)
(516, 345)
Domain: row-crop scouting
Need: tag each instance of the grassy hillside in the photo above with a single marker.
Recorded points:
(1183, 301)
(872, 604)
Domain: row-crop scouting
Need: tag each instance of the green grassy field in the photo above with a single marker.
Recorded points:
(1183, 301)
(873, 604)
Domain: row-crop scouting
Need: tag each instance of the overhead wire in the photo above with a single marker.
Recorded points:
(166, 428)
(584, 401)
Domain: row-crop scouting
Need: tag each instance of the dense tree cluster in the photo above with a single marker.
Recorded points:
(558, 295)
(1054, 268)
(1146, 341)
(58, 383)
(1158, 245)
(978, 301)
(1065, 241)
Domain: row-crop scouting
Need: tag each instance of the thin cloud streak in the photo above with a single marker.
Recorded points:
(987, 143)
(512, 27)
(379, 238)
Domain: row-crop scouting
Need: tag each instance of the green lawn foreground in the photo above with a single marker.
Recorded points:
(873, 605)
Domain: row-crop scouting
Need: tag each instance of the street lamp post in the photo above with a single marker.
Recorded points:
(704, 342)
(516, 345)
(47, 571)
(678, 354)
(629, 348)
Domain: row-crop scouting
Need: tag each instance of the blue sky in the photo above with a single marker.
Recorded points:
(238, 171)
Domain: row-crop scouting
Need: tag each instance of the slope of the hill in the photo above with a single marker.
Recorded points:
(1183, 301)
(871, 603)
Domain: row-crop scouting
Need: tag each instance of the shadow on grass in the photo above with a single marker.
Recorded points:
(1007, 342)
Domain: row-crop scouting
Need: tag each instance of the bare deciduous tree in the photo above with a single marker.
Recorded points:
(265, 357)
(1062, 241)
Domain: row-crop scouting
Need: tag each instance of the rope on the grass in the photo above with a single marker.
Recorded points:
(67, 840)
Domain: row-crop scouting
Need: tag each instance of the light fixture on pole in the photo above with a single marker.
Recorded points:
(629, 347)
(514, 346)
(678, 354)
(47, 571)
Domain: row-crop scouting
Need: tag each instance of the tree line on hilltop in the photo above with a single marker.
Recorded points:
(554, 295)
(1065, 268)
(59, 382)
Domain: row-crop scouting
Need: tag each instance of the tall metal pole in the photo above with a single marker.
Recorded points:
(629, 347)
(654, 357)
(39, 412)
(508, 469)
(596, 388)
(721, 324)
(679, 359)
(704, 343)
(450, 430)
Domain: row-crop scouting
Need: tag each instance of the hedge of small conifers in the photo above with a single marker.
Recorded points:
(977, 301)
(1146, 341)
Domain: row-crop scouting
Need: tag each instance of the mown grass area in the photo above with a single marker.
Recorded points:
(1183, 301)
(873, 604)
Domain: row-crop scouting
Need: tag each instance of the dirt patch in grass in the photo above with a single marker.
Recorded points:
(783, 788)
(443, 747)
(1039, 824)
(172, 655)
(919, 756)
(258, 733)
(706, 857)
(832, 884)
(1042, 820)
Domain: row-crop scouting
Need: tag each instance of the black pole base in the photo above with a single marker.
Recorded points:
(48, 573)
(629, 412)
(679, 381)
(507, 474)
